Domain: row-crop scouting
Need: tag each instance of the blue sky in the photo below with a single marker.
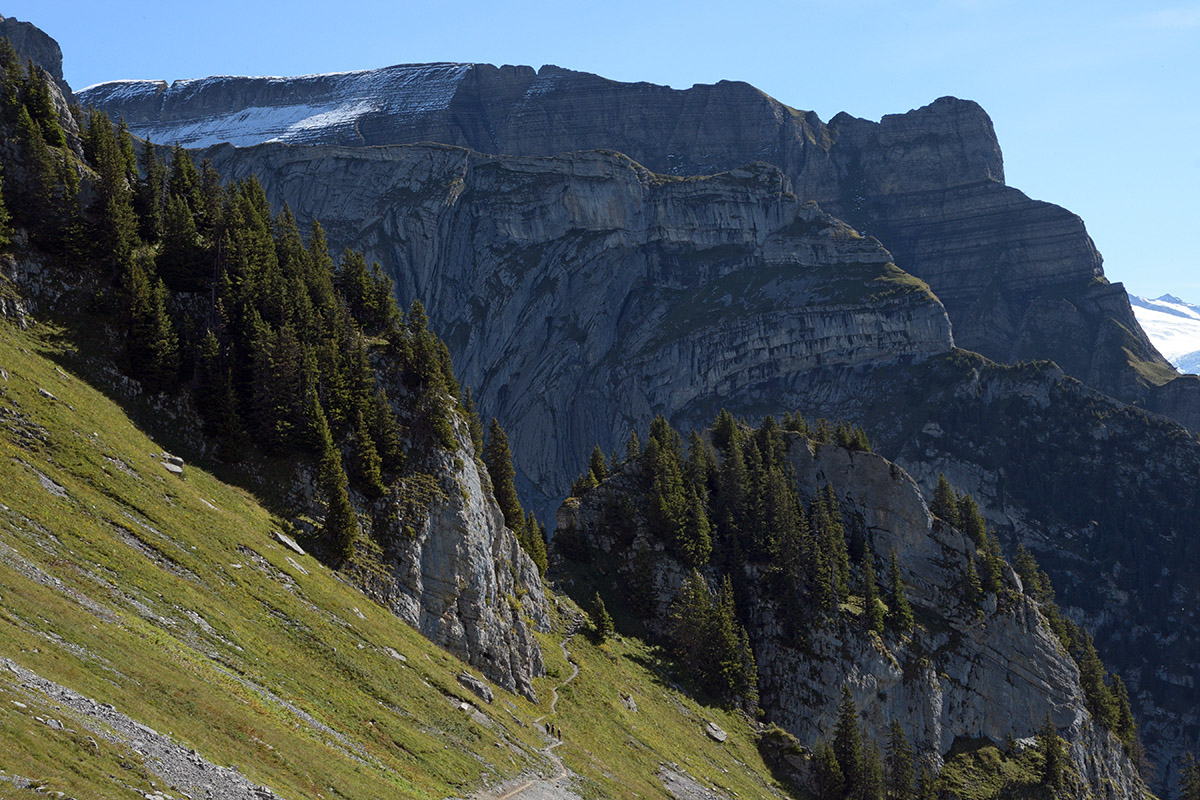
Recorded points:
(1096, 104)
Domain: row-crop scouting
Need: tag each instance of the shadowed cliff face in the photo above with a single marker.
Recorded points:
(580, 295)
(1020, 279)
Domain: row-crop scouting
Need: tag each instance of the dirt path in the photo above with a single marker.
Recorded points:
(548, 788)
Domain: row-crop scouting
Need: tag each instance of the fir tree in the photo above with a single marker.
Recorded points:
(1189, 779)
(972, 591)
(1054, 753)
(945, 503)
(633, 448)
(872, 608)
(341, 526)
(598, 464)
(828, 780)
(498, 457)
(602, 622)
(370, 465)
(151, 342)
(847, 744)
(900, 613)
(900, 777)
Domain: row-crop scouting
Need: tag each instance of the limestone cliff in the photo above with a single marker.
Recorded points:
(33, 44)
(452, 570)
(1020, 279)
(964, 676)
(582, 294)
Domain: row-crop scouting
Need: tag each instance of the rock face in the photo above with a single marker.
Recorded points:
(1020, 279)
(454, 572)
(965, 675)
(1105, 495)
(582, 294)
(32, 43)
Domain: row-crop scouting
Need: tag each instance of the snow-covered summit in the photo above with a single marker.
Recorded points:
(1173, 325)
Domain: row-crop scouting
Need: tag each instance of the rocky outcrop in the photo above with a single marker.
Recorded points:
(1105, 495)
(33, 44)
(454, 572)
(582, 294)
(1017, 276)
(965, 675)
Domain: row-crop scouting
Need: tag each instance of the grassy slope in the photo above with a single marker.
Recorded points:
(196, 611)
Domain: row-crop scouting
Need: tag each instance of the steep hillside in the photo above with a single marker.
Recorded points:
(159, 637)
(1018, 277)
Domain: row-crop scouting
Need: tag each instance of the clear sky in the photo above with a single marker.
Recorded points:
(1096, 104)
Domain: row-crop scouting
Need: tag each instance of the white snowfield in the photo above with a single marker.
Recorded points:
(293, 110)
(1174, 327)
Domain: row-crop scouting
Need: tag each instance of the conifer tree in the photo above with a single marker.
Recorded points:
(151, 342)
(871, 785)
(498, 457)
(828, 780)
(945, 503)
(602, 621)
(148, 202)
(474, 424)
(370, 465)
(598, 464)
(341, 526)
(1054, 753)
(970, 521)
(725, 431)
(1189, 779)
(900, 613)
(633, 448)
(847, 744)
(872, 608)
(1126, 726)
(900, 778)
(972, 591)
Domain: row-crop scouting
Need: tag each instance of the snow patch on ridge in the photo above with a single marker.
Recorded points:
(1173, 326)
(278, 109)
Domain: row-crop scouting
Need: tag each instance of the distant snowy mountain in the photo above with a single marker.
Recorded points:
(1173, 326)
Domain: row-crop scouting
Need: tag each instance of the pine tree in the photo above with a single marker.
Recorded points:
(972, 591)
(1054, 753)
(498, 457)
(900, 613)
(970, 521)
(871, 786)
(828, 780)
(602, 621)
(847, 744)
(1189, 779)
(1091, 679)
(872, 608)
(899, 784)
(598, 464)
(633, 448)
(945, 503)
(1126, 726)
(341, 526)
(151, 343)
(370, 465)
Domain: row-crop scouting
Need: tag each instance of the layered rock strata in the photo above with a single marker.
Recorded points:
(1018, 277)
(582, 294)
